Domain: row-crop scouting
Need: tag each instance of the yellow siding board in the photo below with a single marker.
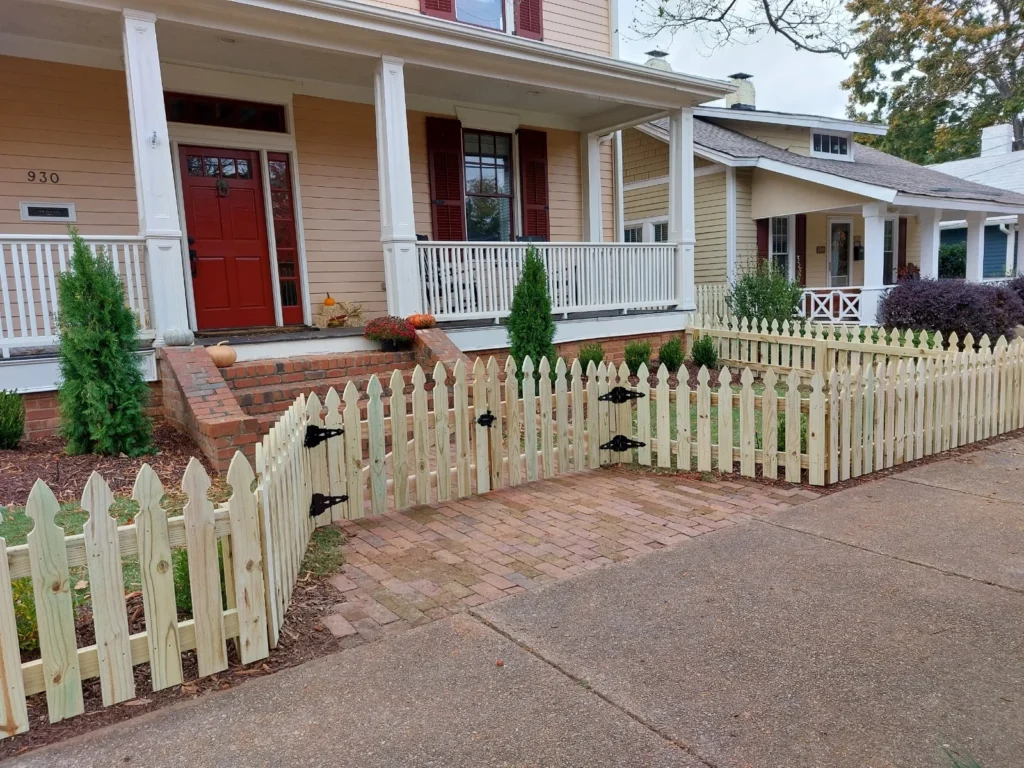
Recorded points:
(90, 151)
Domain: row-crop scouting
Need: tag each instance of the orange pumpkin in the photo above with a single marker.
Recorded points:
(222, 355)
(421, 321)
(329, 302)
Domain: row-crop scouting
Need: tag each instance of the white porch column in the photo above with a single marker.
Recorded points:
(590, 159)
(730, 225)
(154, 177)
(682, 226)
(928, 220)
(975, 247)
(874, 261)
(397, 222)
(1020, 244)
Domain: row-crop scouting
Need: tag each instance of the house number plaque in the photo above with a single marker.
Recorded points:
(44, 177)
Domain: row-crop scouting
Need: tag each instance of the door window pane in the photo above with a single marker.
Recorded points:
(888, 252)
(839, 258)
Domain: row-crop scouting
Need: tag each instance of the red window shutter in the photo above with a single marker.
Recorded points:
(902, 244)
(529, 20)
(444, 155)
(801, 248)
(763, 233)
(442, 9)
(533, 175)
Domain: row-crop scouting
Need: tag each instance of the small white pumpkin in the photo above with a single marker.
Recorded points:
(178, 337)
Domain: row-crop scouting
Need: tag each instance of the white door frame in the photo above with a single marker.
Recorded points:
(257, 141)
(849, 248)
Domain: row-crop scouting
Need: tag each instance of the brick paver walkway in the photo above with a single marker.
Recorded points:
(408, 568)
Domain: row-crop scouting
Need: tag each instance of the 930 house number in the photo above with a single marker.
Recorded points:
(44, 177)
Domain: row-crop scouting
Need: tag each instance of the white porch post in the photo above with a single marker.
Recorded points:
(1020, 244)
(682, 226)
(874, 261)
(397, 222)
(730, 224)
(154, 176)
(928, 223)
(590, 156)
(975, 247)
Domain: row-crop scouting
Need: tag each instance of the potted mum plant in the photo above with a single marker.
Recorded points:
(392, 333)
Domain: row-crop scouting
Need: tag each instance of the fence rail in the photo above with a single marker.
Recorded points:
(472, 280)
(225, 538)
(29, 266)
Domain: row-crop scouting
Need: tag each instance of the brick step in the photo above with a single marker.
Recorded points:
(275, 398)
(265, 372)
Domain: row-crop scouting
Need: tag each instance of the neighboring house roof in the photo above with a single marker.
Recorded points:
(1005, 171)
(870, 168)
(791, 118)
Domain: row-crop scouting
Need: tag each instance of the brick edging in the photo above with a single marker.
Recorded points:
(198, 402)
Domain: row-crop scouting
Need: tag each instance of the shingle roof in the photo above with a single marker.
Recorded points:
(869, 166)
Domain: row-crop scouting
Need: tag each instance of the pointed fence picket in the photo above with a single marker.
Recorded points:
(50, 558)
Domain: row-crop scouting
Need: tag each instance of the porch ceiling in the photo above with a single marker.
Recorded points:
(297, 41)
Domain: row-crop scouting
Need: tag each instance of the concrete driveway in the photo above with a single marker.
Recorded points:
(872, 628)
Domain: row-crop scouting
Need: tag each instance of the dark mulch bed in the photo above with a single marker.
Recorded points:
(66, 475)
(303, 637)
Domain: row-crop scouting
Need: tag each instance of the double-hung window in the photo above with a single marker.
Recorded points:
(779, 244)
(490, 14)
(633, 234)
(487, 159)
(661, 232)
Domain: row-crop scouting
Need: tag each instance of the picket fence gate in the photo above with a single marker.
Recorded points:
(235, 610)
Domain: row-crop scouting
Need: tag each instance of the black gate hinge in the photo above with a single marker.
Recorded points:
(621, 395)
(486, 419)
(316, 435)
(621, 443)
(321, 503)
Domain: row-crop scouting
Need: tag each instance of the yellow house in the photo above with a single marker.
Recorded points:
(239, 160)
(841, 218)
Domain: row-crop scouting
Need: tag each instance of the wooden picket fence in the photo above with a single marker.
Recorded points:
(900, 410)
(234, 609)
(810, 347)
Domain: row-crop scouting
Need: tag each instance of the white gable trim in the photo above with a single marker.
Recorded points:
(956, 204)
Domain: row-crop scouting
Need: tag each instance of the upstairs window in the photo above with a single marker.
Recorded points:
(490, 14)
(837, 146)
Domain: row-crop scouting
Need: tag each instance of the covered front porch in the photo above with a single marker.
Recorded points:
(243, 174)
(847, 257)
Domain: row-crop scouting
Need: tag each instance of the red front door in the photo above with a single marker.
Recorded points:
(227, 232)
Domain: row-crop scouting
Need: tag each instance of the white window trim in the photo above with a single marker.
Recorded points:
(790, 244)
(648, 226)
(847, 158)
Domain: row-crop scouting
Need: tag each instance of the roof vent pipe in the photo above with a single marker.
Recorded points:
(744, 97)
(656, 60)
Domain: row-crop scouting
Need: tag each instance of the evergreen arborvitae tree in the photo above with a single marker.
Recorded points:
(103, 393)
(531, 330)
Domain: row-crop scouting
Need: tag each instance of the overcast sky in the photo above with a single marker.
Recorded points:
(785, 80)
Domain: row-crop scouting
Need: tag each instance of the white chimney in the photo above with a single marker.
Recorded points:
(656, 60)
(997, 140)
(744, 97)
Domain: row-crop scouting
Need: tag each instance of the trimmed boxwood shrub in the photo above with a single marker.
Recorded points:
(637, 353)
(671, 354)
(590, 353)
(952, 305)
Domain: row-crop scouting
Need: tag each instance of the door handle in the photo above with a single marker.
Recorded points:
(192, 260)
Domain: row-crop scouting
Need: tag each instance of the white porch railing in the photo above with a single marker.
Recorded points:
(836, 305)
(29, 265)
(472, 280)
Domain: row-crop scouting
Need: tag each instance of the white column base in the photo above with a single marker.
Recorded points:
(687, 292)
(165, 277)
(869, 300)
(402, 274)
